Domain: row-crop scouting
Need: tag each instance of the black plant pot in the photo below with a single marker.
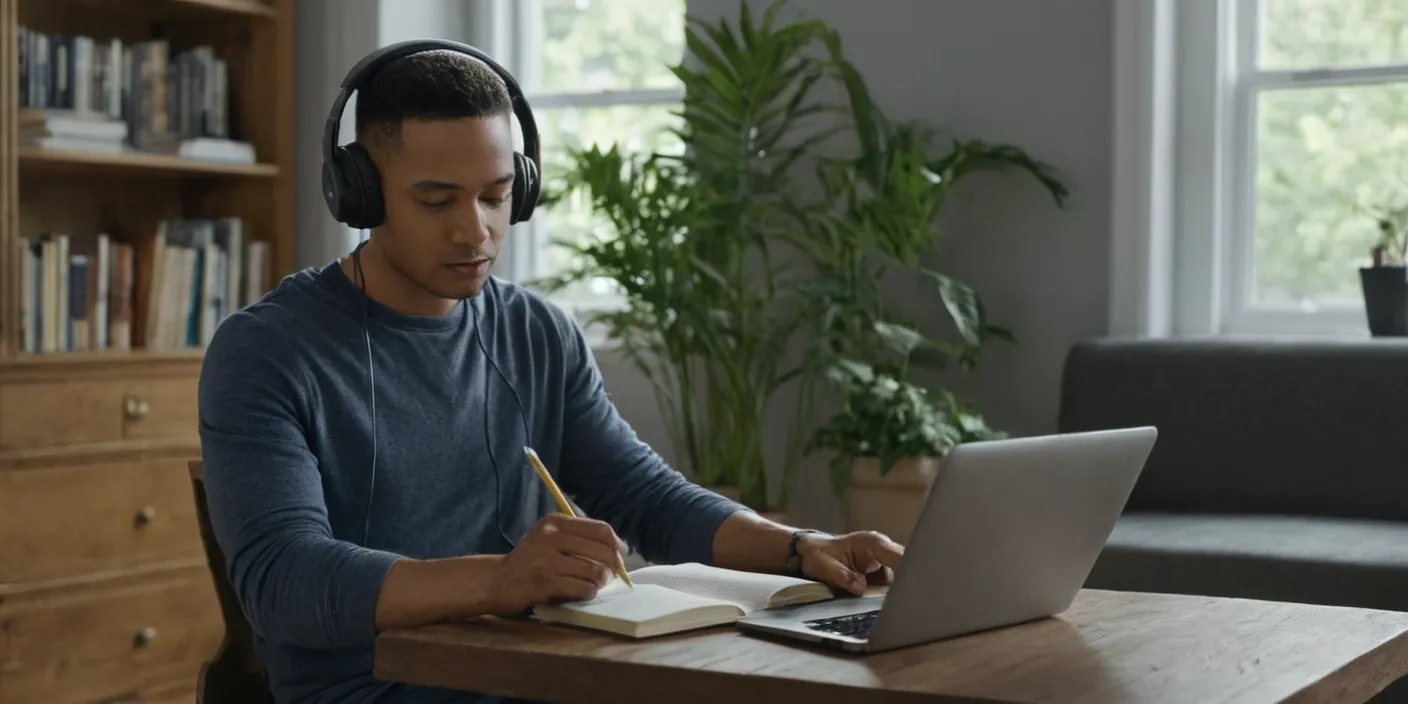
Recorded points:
(1386, 300)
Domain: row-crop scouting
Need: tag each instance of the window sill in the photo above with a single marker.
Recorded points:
(1344, 322)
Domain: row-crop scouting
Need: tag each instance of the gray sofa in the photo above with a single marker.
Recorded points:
(1280, 472)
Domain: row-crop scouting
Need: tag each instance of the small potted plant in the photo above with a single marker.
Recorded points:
(1385, 280)
(886, 443)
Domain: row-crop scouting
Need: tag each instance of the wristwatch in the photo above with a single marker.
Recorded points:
(794, 561)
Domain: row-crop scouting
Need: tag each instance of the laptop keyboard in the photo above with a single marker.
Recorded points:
(853, 625)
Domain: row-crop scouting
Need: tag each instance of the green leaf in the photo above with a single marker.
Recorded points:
(963, 306)
(999, 333)
(901, 339)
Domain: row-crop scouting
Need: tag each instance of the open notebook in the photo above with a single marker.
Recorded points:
(673, 598)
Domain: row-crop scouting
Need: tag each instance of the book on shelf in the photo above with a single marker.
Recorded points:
(674, 598)
(106, 95)
(168, 290)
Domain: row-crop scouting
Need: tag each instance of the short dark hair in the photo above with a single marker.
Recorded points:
(438, 84)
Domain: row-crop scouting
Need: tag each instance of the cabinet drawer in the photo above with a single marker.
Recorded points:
(161, 408)
(103, 641)
(63, 413)
(65, 521)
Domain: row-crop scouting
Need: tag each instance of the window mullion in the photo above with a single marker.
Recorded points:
(1327, 77)
(1239, 243)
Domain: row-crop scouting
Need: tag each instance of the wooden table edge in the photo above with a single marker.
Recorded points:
(566, 677)
(1362, 678)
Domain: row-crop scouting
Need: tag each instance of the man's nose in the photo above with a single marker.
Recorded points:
(471, 228)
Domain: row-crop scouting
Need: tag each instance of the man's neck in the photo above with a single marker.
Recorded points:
(382, 283)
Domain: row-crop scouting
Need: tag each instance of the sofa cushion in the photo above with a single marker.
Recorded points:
(1337, 562)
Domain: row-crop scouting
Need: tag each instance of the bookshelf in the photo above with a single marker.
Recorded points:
(128, 131)
(140, 158)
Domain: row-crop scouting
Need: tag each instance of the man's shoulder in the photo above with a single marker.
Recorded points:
(270, 326)
(522, 303)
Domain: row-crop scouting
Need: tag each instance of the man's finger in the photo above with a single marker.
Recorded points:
(884, 575)
(885, 551)
(592, 529)
(587, 549)
(836, 574)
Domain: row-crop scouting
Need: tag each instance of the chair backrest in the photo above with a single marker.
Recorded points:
(235, 673)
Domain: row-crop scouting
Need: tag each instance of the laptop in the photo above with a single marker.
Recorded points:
(1009, 533)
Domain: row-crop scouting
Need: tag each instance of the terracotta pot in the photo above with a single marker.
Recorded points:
(891, 503)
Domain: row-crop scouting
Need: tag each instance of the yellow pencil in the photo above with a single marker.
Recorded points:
(565, 507)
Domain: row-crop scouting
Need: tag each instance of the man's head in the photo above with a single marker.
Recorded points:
(438, 127)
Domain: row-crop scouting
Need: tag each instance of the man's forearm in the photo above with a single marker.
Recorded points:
(748, 542)
(422, 592)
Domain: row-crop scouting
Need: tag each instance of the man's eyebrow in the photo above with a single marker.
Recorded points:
(431, 185)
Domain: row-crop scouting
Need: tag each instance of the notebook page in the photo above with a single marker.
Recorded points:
(749, 590)
(643, 603)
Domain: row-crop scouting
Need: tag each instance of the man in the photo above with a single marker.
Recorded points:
(363, 424)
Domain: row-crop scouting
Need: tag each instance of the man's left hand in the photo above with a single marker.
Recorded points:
(850, 562)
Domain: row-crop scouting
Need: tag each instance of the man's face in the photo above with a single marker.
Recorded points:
(447, 188)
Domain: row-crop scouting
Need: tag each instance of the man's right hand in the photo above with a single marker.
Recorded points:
(560, 559)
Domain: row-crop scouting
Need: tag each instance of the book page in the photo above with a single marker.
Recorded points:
(751, 591)
(646, 602)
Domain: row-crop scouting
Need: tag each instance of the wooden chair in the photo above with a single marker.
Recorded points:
(235, 675)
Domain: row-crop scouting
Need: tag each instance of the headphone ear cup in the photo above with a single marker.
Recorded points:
(526, 188)
(347, 188)
(371, 209)
(338, 191)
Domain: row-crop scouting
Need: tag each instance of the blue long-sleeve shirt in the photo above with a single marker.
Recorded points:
(289, 428)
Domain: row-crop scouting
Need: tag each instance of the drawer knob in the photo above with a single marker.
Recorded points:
(136, 408)
(145, 636)
(145, 515)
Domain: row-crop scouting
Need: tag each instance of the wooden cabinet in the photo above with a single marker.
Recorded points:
(123, 243)
(104, 590)
(146, 629)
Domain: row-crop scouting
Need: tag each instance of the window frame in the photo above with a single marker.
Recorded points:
(1243, 313)
(522, 33)
(1185, 158)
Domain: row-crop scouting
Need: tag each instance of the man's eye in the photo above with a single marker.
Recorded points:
(496, 201)
(436, 205)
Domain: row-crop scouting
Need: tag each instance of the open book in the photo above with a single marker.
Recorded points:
(673, 598)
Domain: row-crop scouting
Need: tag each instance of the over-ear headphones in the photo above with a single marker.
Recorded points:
(351, 185)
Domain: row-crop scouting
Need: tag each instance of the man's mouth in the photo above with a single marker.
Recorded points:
(472, 267)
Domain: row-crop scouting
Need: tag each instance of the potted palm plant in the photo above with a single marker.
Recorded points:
(886, 202)
(688, 239)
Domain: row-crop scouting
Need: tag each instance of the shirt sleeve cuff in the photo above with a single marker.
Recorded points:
(362, 578)
(694, 541)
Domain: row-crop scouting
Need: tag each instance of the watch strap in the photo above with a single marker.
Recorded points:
(794, 561)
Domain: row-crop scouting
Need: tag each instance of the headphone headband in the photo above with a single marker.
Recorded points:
(369, 65)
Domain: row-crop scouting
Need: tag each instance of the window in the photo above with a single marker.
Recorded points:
(1253, 141)
(1320, 140)
(595, 72)
(1288, 128)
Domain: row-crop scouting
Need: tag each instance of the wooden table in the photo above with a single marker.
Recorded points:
(1109, 647)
